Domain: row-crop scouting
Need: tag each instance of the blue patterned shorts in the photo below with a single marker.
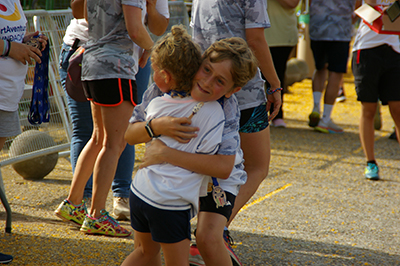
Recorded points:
(258, 120)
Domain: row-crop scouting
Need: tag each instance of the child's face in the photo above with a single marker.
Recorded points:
(212, 81)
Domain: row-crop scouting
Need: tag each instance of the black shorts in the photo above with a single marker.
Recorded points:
(377, 74)
(207, 204)
(111, 92)
(333, 53)
(165, 226)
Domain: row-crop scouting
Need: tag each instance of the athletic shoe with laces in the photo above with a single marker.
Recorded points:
(372, 171)
(229, 243)
(195, 258)
(341, 97)
(104, 225)
(313, 119)
(329, 127)
(5, 259)
(121, 210)
(71, 213)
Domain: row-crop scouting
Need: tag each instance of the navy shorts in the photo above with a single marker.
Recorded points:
(111, 92)
(377, 74)
(333, 53)
(254, 119)
(165, 226)
(207, 204)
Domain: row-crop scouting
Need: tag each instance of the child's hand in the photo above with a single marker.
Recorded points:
(154, 153)
(177, 128)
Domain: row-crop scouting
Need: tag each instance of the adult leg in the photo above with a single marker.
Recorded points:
(146, 252)
(394, 107)
(107, 160)
(257, 155)
(366, 130)
(209, 240)
(176, 254)
(87, 158)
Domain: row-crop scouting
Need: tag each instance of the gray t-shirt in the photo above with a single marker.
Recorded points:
(109, 50)
(213, 20)
(331, 20)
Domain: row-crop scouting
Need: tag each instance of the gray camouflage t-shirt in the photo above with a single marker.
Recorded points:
(213, 20)
(331, 20)
(108, 52)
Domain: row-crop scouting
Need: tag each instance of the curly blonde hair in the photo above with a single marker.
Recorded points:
(179, 55)
(244, 63)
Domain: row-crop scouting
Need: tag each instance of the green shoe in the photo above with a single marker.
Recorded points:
(313, 119)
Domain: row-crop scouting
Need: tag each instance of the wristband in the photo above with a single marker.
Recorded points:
(9, 48)
(149, 129)
(269, 91)
(5, 47)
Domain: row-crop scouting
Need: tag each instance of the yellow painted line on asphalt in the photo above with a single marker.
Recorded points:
(264, 197)
(360, 149)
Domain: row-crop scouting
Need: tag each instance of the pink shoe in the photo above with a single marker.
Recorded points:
(278, 123)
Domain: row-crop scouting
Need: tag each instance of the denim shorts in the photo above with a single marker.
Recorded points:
(165, 226)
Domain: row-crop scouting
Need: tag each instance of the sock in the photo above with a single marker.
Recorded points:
(327, 113)
(317, 99)
(372, 161)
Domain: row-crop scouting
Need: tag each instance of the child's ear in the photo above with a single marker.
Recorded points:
(229, 94)
(167, 76)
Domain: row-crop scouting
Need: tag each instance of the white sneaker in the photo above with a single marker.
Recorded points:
(329, 127)
(121, 209)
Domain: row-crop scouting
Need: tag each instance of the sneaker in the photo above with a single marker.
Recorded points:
(329, 127)
(313, 119)
(4, 258)
(278, 123)
(121, 210)
(105, 225)
(229, 243)
(341, 97)
(71, 213)
(372, 171)
(195, 258)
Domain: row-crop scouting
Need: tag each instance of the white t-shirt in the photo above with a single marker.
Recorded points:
(169, 187)
(367, 38)
(12, 72)
(77, 28)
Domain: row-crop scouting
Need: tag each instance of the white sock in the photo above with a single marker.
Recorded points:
(317, 99)
(327, 113)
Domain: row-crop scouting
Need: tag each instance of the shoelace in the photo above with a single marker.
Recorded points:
(109, 218)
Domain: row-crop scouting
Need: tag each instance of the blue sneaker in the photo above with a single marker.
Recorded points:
(228, 243)
(4, 258)
(372, 171)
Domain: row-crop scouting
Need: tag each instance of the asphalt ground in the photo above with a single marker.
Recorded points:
(314, 208)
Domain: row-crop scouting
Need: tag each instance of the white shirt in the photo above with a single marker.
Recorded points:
(12, 72)
(170, 187)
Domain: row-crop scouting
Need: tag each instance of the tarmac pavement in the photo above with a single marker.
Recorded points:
(314, 208)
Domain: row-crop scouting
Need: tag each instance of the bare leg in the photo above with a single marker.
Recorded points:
(176, 254)
(257, 155)
(210, 228)
(146, 252)
(319, 79)
(332, 88)
(107, 160)
(367, 132)
(394, 107)
(87, 158)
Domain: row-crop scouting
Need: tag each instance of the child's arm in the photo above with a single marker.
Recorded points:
(216, 165)
(174, 127)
